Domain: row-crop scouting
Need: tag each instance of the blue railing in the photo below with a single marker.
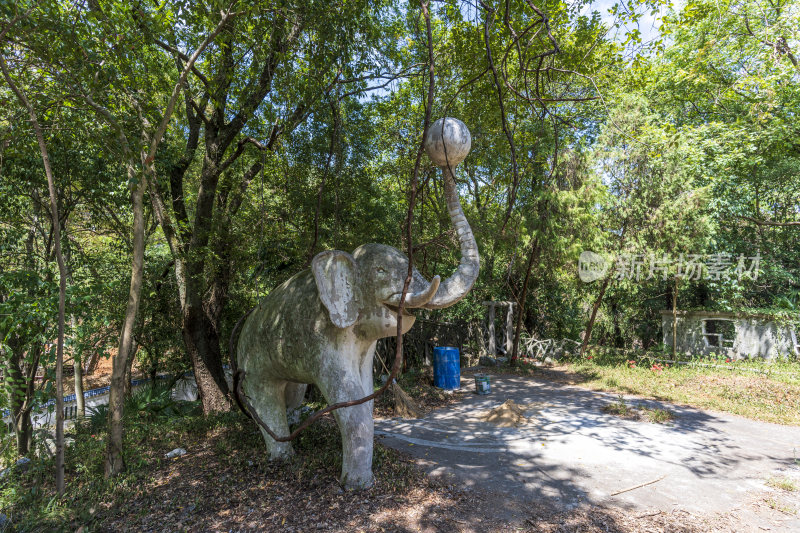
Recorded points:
(101, 391)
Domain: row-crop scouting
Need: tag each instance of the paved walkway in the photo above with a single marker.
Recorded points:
(573, 453)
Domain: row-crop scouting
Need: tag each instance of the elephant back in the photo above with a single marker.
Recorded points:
(279, 337)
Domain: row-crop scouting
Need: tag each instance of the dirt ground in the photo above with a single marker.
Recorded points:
(225, 483)
(210, 490)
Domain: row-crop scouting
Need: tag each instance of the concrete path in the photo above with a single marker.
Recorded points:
(572, 453)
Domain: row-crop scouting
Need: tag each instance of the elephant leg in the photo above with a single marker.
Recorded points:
(270, 404)
(356, 427)
(367, 381)
(294, 395)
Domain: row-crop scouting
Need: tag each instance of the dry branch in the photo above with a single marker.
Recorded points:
(640, 485)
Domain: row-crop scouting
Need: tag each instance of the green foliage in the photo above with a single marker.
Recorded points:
(754, 388)
(606, 143)
(783, 483)
(730, 85)
(153, 401)
(96, 417)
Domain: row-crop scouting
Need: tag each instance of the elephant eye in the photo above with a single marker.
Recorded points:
(380, 270)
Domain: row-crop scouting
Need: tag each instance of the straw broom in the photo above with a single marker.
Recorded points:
(404, 405)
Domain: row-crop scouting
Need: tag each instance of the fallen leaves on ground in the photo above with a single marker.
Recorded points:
(211, 489)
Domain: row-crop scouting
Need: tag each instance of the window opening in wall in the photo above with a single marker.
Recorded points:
(719, 333)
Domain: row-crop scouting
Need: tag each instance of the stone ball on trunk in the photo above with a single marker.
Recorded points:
(448, 141)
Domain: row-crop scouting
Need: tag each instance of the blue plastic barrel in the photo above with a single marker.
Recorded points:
(446, 367)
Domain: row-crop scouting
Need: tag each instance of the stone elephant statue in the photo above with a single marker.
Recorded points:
(321, 326)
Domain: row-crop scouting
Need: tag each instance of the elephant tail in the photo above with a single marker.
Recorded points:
(232, 343)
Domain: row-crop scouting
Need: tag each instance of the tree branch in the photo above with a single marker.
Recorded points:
(770, 222)
(512, 147)
(162, 127)
(183, 57)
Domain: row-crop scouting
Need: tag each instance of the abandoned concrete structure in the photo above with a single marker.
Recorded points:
(734, 335)
(509, 332)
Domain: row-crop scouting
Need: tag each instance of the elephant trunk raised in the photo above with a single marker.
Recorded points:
(438, 295)
(459, 284)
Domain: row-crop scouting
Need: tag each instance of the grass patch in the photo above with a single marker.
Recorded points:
(620, 408)
(783, 483)
(639, 412)
(754, 389)
(657, 416)
(780, 506)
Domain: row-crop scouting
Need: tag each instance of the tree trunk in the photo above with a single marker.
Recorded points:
(194, 325)
(490, 324)
(20, 396)
(115, 461)
(202, 343)
(62, 294)
(129, 368)
(23, 430)
(62, 276)
(21, 411)
(618, 341)
(77, 359)
(592, 317)
(675, 319)
(510, 328)
(78, 377)
(77, 366)
(199, 330)
(518, 328)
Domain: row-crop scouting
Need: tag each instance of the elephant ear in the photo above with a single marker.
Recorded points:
(335, 274)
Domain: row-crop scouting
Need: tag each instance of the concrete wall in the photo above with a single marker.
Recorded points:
(756, 335)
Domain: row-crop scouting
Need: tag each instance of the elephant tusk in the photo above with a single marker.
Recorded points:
(417, 299)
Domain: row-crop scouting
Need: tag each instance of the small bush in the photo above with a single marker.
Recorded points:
(96, 418)
(640, 412)
(657, 416)
(154, 400)
(619, 408)
(784, 483)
